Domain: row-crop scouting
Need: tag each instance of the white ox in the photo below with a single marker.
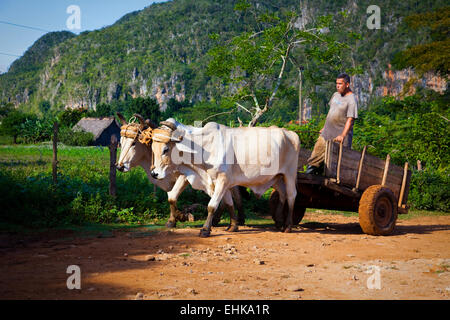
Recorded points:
(135, 153)
(216, 158)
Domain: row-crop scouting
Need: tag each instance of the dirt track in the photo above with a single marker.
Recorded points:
(325, 259)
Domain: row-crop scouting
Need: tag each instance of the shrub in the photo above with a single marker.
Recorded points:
(75, 138)
(12, 123)
(430, 190)
(36, 130)
(70, 117)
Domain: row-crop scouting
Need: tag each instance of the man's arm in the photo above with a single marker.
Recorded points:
(348, 125)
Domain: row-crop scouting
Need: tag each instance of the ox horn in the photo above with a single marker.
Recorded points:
(179, 139)
(150, 124)
(121, 118)
(169, 125)
(140, 118)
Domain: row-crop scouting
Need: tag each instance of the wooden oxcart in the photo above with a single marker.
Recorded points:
(352, 181)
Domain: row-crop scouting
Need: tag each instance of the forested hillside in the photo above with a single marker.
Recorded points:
(161, 52)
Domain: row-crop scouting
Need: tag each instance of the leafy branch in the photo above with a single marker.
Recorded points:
(253, 65)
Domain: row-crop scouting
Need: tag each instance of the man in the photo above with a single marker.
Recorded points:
(338, 125)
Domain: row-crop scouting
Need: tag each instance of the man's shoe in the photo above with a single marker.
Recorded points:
(312, 170)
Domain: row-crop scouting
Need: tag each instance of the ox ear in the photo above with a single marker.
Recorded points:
(122, 119)
(141, 119)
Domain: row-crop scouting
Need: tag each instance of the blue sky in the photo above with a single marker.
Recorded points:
(51, 15)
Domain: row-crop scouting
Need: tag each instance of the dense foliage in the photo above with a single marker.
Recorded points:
(12, 123)
(415, 128)
(434, 55)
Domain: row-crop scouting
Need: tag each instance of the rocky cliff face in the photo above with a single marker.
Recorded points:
(398, 83)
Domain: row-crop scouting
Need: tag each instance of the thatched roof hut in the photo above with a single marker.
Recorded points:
(101, 128)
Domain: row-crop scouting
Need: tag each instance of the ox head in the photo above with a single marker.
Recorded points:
(135, 139)
(162, 144)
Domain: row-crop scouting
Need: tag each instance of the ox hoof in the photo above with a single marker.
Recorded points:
(232, 228)
(204, 233)
(171, 224)
(279, 226)
(288, 230)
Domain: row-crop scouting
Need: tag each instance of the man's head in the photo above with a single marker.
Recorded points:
(343, 83)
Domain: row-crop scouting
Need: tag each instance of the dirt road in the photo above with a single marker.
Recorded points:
(329, 258)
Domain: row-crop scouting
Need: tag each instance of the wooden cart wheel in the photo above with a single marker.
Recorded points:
(377, 211)
(297, 215)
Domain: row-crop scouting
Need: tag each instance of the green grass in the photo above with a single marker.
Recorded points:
(4, 140)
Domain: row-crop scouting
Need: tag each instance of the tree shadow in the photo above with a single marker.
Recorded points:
(355, 228)
(25, 267)
(345, 228)
(22, 163)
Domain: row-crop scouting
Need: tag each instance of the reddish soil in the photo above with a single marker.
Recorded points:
(325, 259)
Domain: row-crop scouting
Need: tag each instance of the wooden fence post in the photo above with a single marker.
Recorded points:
(55, 153)
(112, 165)
(419, 165)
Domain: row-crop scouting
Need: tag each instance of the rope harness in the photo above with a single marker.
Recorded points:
(146, 136)
(133, 131)
(130, 131)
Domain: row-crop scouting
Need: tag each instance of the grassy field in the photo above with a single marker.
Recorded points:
(31, 201)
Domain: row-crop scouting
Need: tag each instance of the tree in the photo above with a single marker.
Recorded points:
(146, 107)
(253, 64)
(44, 107)
(12, 124)
(103, 110)
(5, 109)
(432, 56)
(70, 117)
(174, 106)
